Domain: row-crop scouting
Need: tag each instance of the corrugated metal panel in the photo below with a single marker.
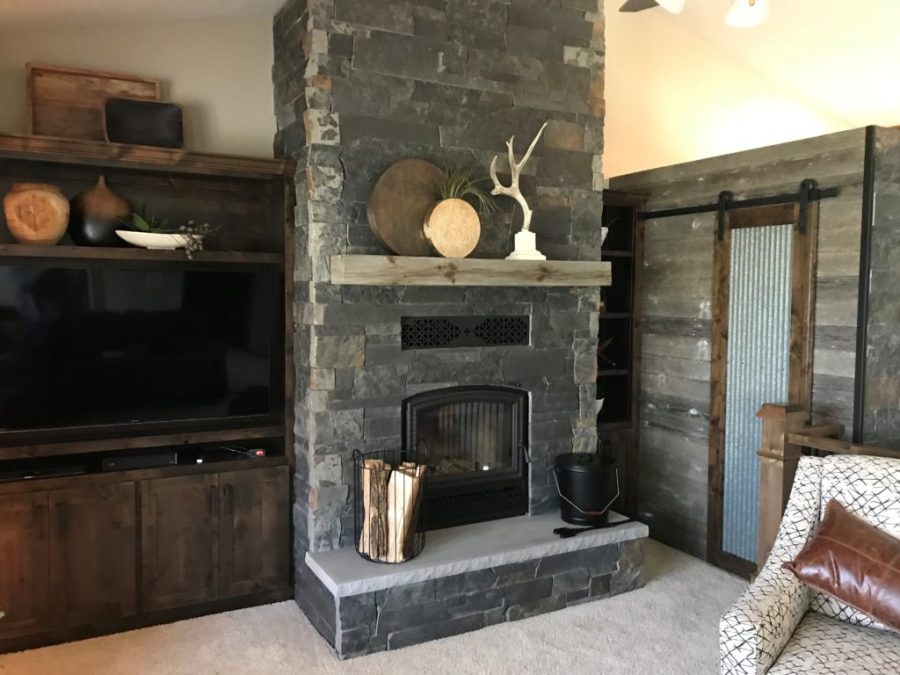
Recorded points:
(759, 331)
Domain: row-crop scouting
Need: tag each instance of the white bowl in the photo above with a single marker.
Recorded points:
(154, 240)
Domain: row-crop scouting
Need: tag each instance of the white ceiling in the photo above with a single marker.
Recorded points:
(842, 56)
(19, 12)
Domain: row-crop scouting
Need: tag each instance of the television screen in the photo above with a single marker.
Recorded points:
(87, 346)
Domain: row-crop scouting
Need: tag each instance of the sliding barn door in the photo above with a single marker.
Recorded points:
(761, 354)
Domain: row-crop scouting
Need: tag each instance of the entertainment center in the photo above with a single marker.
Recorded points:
(146, 426)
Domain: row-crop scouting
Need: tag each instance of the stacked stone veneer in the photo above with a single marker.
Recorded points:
(413, 613)
(360, 84)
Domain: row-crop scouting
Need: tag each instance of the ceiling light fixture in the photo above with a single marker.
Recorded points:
(743, 13)
(674, 6)
(747, 13)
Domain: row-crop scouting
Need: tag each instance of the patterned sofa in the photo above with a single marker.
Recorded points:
(780, 625)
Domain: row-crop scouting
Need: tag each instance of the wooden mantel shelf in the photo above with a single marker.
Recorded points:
(376, 270)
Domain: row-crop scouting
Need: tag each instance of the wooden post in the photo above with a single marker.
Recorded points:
(777, 465)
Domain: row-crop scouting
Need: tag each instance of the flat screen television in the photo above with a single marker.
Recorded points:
(87, 348)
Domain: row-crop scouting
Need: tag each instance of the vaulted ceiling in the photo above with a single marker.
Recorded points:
(841, 56)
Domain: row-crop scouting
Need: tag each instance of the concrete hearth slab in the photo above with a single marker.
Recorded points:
(464, 549)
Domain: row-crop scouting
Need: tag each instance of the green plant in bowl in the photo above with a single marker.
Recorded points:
(193, 234)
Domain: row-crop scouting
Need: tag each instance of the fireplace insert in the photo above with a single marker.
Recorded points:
(474, 439)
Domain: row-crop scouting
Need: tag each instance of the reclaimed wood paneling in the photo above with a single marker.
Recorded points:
(833, 160)
(881, 390)
(837, 301)
(675, 328)
(675, 325)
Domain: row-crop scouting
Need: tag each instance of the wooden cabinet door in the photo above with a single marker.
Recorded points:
(255, 530)
(93, 548)
(179, 541)
(24, 565)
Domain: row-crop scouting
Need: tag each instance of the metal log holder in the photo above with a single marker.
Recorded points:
(387, 504)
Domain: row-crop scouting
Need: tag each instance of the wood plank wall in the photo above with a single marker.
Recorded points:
(677, 308)
(881, 423)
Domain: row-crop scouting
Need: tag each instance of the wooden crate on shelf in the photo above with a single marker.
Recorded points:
(68, 102)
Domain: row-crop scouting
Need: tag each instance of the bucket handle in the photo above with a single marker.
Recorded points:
(578, 508)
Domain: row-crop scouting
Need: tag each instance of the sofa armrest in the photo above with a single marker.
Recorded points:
(756, 628)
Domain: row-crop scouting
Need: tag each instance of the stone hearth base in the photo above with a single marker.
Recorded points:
(362, 607)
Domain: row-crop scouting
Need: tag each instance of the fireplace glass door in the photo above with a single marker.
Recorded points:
(474, 440)
(468, 437)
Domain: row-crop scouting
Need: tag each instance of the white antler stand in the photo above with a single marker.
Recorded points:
(526, 242)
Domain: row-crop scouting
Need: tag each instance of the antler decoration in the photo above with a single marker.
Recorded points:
(515, 169)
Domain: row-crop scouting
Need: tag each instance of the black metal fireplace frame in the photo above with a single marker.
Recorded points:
(474, 497)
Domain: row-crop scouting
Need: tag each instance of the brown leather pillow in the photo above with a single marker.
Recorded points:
(854, 562)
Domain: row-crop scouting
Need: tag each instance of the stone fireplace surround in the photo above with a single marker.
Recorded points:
(360, 84)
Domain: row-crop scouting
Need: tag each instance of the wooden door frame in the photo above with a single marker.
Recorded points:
(804, 264)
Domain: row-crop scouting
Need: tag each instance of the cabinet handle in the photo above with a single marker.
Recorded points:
(2, 615)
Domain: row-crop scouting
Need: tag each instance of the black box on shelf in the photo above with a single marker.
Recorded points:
(143, 460)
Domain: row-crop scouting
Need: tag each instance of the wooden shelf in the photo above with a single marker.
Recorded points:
(374, 270)
(612, 373)
(96, 479)
(83, 253)
(102, 154)
(139, 442)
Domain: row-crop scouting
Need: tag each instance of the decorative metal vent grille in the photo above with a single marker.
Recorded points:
(435, 332)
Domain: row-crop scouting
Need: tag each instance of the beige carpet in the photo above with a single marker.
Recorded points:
(670, 626)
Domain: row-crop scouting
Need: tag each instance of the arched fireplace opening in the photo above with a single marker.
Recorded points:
(476, 442)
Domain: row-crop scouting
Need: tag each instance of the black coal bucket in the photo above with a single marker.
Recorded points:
(588, 484)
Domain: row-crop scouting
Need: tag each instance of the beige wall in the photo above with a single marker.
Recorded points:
(671, 97)
(219, 70)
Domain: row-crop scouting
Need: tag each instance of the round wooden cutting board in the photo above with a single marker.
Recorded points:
(398, 204)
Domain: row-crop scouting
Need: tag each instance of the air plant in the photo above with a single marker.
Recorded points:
(458, 183)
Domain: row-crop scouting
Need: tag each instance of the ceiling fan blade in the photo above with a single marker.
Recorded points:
(638, 5)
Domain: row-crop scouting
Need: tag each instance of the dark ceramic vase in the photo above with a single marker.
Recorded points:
(96, 214)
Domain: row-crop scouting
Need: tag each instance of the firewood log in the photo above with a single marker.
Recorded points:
(365, 496)
(403, 489)
(399, 487)
(374, 537)
(379, 522)
(411, 506)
